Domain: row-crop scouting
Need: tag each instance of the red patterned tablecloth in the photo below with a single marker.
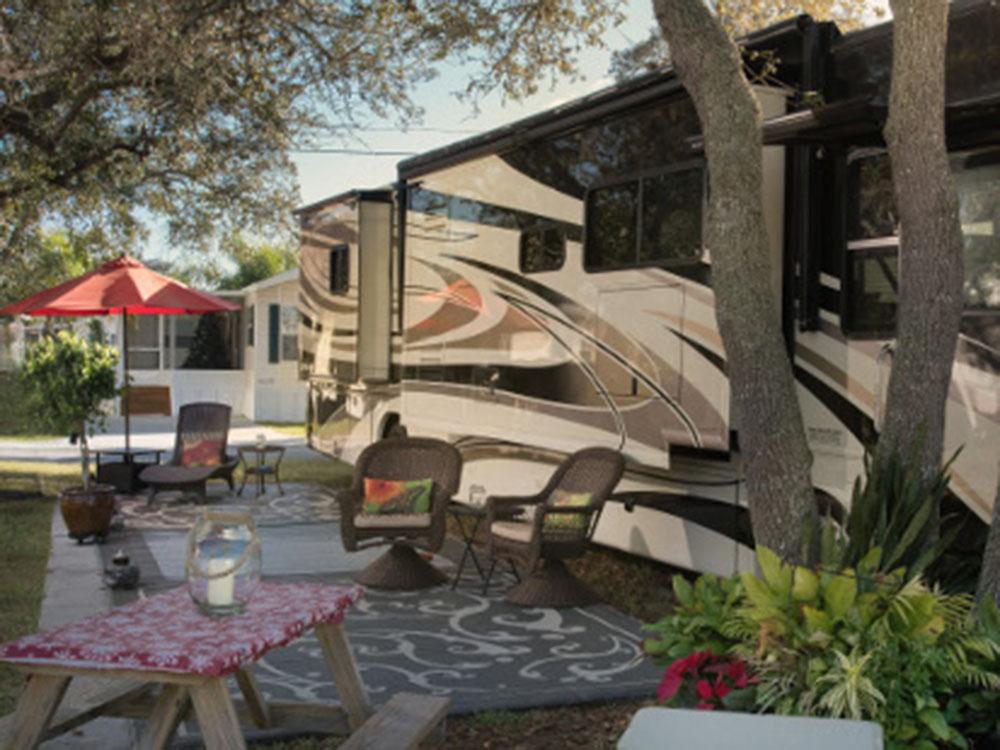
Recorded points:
(167, 633)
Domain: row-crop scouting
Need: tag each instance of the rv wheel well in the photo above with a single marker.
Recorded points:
(393, 427)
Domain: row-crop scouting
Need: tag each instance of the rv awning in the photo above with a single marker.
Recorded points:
(859, 122)
(851, 121)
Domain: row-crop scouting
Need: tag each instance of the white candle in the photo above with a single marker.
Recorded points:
(222, 590)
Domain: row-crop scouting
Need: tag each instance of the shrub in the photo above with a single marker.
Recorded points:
(896, 510)
(67, 379)
(853, 642)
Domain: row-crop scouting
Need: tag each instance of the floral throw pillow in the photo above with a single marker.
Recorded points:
(201, 452)
(564, 499)
(389, 496)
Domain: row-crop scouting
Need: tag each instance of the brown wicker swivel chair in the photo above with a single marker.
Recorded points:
(541, 548)
(404, 458)
(201, 422)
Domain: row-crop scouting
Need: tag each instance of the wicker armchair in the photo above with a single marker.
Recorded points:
(541, 548)
(202, 421)
(396, 459)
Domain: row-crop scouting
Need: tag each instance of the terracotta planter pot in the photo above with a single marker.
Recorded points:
(87, 513)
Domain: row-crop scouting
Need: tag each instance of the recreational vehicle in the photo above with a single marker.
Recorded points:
(544, 287)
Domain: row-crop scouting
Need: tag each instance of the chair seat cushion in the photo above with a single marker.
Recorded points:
(396, 497)
(516, 531)
(392, 520)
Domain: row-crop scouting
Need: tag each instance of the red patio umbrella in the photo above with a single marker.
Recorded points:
(123, 286)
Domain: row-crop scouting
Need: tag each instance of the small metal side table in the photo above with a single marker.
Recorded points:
(468, 529)
(259, 466)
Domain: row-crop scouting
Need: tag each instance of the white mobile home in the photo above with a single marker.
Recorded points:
(248, 359)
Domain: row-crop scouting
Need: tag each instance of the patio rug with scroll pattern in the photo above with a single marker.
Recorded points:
(300, 503)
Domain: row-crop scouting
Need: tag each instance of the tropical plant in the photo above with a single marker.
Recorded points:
(700, 619)
(67, 380)
(856, 642)
(896, 510)
(982, 705)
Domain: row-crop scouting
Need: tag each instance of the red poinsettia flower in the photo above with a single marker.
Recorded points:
(705, 678)
(721, 688)
(738, 674)
(669, 686)
(704, 690)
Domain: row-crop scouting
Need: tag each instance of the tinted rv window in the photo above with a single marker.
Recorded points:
(340, 278)
(977, 178)
(671, 217)
(542, 249)
(871, 205)
(872, 224)
(873, 285)
(655, 220)
(870, 268)
(611, 226)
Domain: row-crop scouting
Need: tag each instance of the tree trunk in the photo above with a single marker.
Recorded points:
(84, 457)
(765, 408)
(930, 252)
(989, 575)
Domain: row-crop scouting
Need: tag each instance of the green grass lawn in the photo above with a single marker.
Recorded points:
(15, 422)
(319, 470)
(25, 538)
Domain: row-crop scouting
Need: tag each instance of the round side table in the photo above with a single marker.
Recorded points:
(469, 518)
(256, 463)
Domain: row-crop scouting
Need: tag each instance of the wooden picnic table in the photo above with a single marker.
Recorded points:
(164, 641)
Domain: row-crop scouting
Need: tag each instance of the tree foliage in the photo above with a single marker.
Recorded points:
(50, 259)
(110, 111)
(67, 380)
(255, 261)
(741, 17)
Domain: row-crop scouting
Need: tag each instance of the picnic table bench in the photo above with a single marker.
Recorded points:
(159, 657)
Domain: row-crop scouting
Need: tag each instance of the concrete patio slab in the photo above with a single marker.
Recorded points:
(481, 652)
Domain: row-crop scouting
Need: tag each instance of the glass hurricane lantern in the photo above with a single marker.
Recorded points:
(223, 562)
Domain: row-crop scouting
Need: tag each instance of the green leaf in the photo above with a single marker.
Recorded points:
(816, 620)
(805, 586)
(683, 591)
(935, 721)
(839, 595)
(758, 592)
(777, 574)
(871, 560)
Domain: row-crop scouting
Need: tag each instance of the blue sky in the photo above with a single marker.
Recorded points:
(323, 175)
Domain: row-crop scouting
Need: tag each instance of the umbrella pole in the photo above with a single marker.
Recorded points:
(125, 402)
